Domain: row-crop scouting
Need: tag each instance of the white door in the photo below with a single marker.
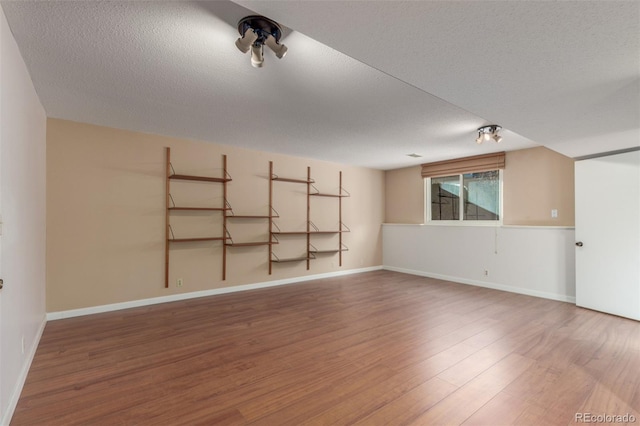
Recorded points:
(608, 234)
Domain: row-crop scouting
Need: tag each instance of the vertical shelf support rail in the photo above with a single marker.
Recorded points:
(270, 253)
(308, 216)
(166, 217)
(340, 222)
(224, 219)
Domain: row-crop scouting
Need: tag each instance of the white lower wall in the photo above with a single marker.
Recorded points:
(23, 208)
(538, 261)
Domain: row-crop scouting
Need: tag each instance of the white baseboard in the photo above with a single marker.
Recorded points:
(494, 286)
(51, 316)
(17, 390)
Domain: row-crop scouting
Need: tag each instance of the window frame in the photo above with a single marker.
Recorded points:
(461, 221)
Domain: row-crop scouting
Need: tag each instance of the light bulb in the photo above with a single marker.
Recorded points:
(279, 49)
(257, 59)
(244, 43)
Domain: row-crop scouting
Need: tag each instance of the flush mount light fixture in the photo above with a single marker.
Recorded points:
(256, 32)
(414, 155)
(486, 133)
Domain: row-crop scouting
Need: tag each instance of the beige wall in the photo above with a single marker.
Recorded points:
(536, 181)
(105, 215)
(404, 195)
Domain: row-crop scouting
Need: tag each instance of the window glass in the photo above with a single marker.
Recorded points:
(481, 195)
(445, 198)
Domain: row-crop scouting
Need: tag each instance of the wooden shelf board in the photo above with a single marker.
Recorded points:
(199, 208)
(250, 244)
(281, 179)
(290, 232)
(239, 216)
(290, 259)
(184, 240)
(327, 232)
(306, 232)
(200, 178)
(319, 194)
(326, 251)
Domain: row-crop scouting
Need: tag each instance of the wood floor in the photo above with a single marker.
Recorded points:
(379, 348)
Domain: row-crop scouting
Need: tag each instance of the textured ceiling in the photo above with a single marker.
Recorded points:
(563, 73)
(363, 83)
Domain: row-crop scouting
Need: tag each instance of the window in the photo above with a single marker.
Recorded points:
(465, 197)
(465, 189)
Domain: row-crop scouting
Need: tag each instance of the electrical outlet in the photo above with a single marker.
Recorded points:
(179, 282)
(554, 213)
(486, 272)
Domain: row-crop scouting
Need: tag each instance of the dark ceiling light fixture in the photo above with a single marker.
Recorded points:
(486, 133)
(256, 32)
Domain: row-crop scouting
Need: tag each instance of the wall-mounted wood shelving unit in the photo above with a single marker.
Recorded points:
(311, 229)
(274, 231)
(170, 206)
